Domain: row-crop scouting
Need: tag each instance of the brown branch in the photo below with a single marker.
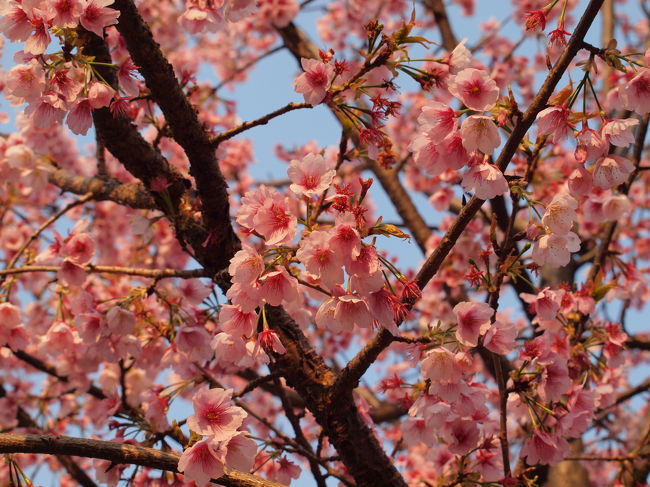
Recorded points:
(354, 370)
(229, 134)
(104, 269)
(133, 195)
(437, 8)
(638, 343)
(186, 129)
(117, 453)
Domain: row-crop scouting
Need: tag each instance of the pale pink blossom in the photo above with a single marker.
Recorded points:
(80, 117)
(67, 13)
(246, 265)
(270, 342)
(439, 365)
(460, 58)
(79, 248)
(461, 436)
(235, 322)
(100, 94)
(616, 207)
(560, 214)
(544, 448)
(612, 171)
(196, 19)
(635, 95)
(40, 38)
(274, 220)
(618, 131)
(241, 452)
(278, 12)
(474, 319)
(486, 180)
(555, 380)
(215, 415)
(438, 121)
(580, 181)
(202, 462)
(98, 15)
(500, 337)
(474, 88)
(277, 286)
(311, 175)
(120, 321)
(236, 10)
(26, 81)
(479, 132)
(194, 341)
(71, 274)
(50, 109)
(193, 291)
(590, 145)
(555, 250)
(546, 303)
(315, 81)
(319, 259)
(554, 122)
(345, 240)
(15, 22)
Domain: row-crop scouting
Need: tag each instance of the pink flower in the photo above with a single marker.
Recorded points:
(96, 16)
(546, 303)
(486, 180)
(555, 380)
(215, 415)
(274, 220)
(438, 121)
(71, 273)
(312, 175)
(241, 452)
(500, 338)
(270, 342)
(473, 320)
(439, 366)
(580, 181)
(236, 10)
(26, 81)
(315, 81)
(555, 250)
(544, 448)
(79, 248)
(346, 241)
(67, 13)
(479, 132)
(635, 95)
(278, 12)
(100, 94)
(560, 214)
(246, 265)
(474, 88)
(611, 171)
(196, 19)
(619, 131)
(277, 286)
(460, 58)
(554, 121)
(38, 41)
(193, 291)
(202, 462)
(461, 436)
(120, 321)
(235, 322)
(319, 259)
(535, 21)
(80, 117)
(591, 146)
(194, 341)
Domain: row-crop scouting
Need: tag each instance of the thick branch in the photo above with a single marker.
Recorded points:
(118, 453)
(134, 195)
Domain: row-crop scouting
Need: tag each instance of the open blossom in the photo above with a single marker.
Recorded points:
(500, 337)
(203, 461)
(269, 341)
(97, 15)
(319, 259)
(590, 145)
(215, 415)
(554, 122)
(611, 171)
(277, 286)
(312, 175)
(560, 214)
(618, 132)
(315, 81)
(246, 265)
(479, 132)
(544, 448)
(26, 81)
(636, 93)
(555, 250)
(460, 58)
(438, 121)
(474, 319)
(274, 220)
(474, 88)
(486, 180)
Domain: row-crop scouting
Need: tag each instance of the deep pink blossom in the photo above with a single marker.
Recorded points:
(215, 415)
(315, 81)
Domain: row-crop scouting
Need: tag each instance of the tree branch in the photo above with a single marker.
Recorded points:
(118, 453)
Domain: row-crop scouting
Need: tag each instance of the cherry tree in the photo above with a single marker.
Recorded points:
(167, 319)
